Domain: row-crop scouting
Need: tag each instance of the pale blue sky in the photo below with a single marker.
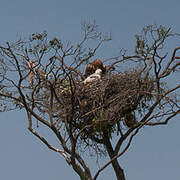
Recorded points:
(154, 153)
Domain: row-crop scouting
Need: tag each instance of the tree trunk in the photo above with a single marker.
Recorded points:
(117, 168)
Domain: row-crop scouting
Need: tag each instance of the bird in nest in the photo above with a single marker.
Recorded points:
(92, 67)
(93, 77)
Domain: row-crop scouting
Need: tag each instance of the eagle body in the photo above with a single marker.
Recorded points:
(92, 67)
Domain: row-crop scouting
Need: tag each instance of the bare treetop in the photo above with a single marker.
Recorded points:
(46, 78)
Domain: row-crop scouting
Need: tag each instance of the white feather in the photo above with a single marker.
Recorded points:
(93, 77)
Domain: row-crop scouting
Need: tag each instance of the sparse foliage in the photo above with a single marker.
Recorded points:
(45, 77)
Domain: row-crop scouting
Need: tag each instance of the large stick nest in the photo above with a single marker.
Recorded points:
(100, 105)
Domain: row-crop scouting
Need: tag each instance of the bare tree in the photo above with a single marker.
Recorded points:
(45, 77)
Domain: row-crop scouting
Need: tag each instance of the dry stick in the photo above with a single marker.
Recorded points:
(20, 91)
(73, 141)
(166, 71)
(163, 122)
(120, 154)
(144, 119)
(130, 140)
(45, 141)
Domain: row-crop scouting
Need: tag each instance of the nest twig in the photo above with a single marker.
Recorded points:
(101, 105)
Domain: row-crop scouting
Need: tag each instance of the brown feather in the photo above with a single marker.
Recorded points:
(92, 67)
